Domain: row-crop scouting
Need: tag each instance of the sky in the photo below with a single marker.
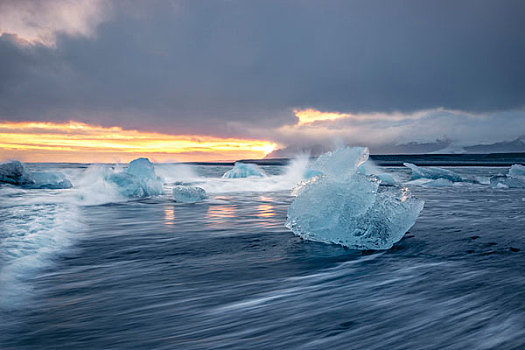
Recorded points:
(104, 81)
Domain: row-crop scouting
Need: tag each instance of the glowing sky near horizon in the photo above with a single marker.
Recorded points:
(80, 142)
(254, 75)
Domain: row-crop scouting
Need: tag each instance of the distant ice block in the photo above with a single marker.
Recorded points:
(14, 173)
(189, 194)
(432, 173)
(51, 180)
(242, 170)
(439, 183)
(517, 170)
(350, 208)
(138, 180)
(514, 179)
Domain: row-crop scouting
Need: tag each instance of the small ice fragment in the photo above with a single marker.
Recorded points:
(432, 173)
(189, 194)
(242, 170)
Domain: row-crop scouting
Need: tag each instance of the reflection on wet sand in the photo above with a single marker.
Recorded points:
(222, 214)
(265, 211)
(169, 216)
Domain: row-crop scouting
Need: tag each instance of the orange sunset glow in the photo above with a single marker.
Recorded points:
(308, 116)
(80, 142)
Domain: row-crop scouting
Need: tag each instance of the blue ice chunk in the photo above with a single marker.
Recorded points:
(349, 208)
(242, 170)
(368, 168)
(51, 180)
(189, 194)
(506, 181)
(14, 173)
(386, 179)
(142, 168)
(517, 170)
(310, 173)
(340, 162)
(432, 173)
(514, 179)
(138, 180)
(439, 183)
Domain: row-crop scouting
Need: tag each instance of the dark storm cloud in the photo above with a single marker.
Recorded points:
(194, 66)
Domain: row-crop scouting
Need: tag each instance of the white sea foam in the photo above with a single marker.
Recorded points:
(31, 238)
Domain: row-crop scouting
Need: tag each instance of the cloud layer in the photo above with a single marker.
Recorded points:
(233, 68)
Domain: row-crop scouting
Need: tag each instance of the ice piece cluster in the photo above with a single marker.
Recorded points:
(189, 194)
(242, 170)
(51, 180)
(14, 173)
(345, 206)
(138, 180)
(514, 179)
(432, 173)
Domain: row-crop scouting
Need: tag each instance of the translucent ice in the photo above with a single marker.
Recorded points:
(52, 180)
(432, 173)
(142, 168)
(349, 208)
(439, 183)
(14, 173)
(517, 170)
(386, 179)
(309, 174)
(242, 170)
(341, 162)
(514, 179)
(189, 194)
(138, 180)
(369, 168)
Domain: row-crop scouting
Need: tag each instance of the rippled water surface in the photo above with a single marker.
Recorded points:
(82, 270)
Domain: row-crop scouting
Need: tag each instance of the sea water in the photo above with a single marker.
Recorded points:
(86, 268)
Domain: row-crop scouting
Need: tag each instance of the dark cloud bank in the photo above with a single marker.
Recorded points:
(202, 66)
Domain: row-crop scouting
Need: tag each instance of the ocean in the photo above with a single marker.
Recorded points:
(82, 268)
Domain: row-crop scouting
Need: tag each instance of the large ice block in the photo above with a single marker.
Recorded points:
(349, 208)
